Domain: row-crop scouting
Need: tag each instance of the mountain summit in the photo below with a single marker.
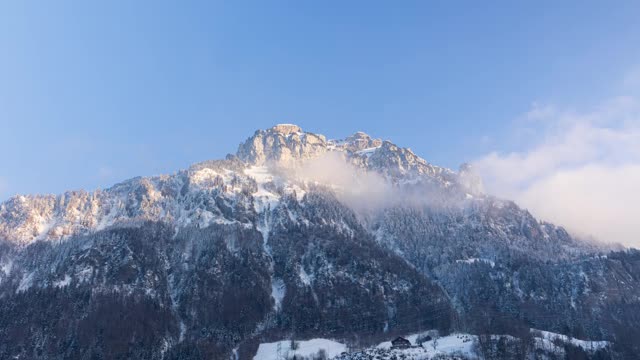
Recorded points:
(299, 237)
(176, 198)
(282, 144)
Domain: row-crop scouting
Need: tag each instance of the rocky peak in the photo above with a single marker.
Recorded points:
(394, 158)
(287, 129)
(360, 141)
(283, 144)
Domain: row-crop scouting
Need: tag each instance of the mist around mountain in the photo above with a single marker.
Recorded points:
(297, 237)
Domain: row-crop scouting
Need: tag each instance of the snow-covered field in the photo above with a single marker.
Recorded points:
(305, 349)
(461, 344)
(452, 345)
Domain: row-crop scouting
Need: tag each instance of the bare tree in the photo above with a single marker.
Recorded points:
(293, 345)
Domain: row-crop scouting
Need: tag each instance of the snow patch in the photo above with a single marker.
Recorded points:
(265, 199)
(547, 338)
(204, 178)
(475, 260)
(278, 290)
(183, 330)
(304, 277)
(62, 283)
(368, 151)
(85, 274)
(6, 266)
(26, 282)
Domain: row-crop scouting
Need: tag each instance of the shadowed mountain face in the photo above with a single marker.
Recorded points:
(284, 240)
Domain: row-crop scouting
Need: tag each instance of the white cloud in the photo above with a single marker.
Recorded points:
(362, 190)
(594, 199)
(582, 169)
(358, 188)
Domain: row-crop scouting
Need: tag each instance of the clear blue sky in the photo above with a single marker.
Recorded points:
(94, 92)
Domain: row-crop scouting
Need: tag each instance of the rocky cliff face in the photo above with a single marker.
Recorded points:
(229, 252)
(283, 145)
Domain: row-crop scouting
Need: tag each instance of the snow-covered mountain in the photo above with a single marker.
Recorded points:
(189, 196)
(295, 236)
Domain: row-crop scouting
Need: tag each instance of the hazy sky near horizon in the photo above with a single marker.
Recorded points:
(92, 93)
